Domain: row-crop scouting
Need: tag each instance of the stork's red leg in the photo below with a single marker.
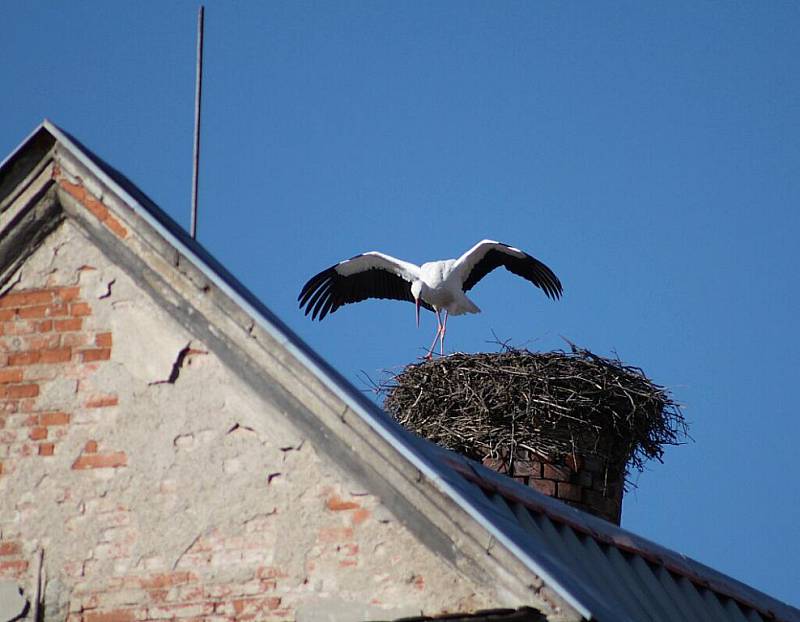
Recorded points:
(436, 336)
(442, 332)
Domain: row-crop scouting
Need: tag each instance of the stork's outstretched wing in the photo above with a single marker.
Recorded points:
(370, 275)
(487, 255)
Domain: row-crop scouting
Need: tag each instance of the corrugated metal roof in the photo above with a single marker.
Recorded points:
(634, 577)
(604, 572)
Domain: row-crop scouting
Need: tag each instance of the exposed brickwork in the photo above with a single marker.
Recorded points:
(40, 336)
(91, 203)
(256, 590)
(582, 482)
(13, 564)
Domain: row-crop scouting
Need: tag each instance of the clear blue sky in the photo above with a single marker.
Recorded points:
(648, 152)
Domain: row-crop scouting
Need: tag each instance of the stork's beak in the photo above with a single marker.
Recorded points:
(416, 301)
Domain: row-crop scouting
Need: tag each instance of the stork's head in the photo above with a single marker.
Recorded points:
(416, 291)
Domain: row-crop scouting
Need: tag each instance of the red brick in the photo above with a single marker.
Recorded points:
(16, 391)
(270, 572)
(113, 615)
(101, 401)
(559, 474)
(94, 206)
(14, 565)
(74, 340)
(46, 449)
(10, 375)
(59, 355)
(116, 227)
(101, 461)
(527, 468)
(45, 326)
(574, 462)
(10, 548)
(98, 354)
(54, 418)
(23, 358)
(41, 311)
(7, 314)
(84, 198)
(26, 298)
(79, 309)
(360, 515)
(71, 324)
(569, 492)
(90, 447)
(607, 506)
(103, 340)
(544, 486)
(167, 579)
(250, 606)
(336, 504)
(38, 434)
(30, 313)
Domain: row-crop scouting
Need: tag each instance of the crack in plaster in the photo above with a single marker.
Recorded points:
(289, 448)
(56, 249)
(237, 426)
(187, 549)
(178, 364)
(107, 293)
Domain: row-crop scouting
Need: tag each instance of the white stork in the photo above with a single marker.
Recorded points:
(435, 285)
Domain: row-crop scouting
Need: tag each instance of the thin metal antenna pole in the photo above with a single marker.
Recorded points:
(197, 99)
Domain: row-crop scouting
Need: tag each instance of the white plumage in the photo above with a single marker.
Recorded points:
(436, 285)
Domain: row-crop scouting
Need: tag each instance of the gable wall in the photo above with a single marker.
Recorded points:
(158, 486)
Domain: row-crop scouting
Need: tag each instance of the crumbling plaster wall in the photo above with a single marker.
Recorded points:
(159, 486)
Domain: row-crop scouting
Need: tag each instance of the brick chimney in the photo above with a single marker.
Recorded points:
(582, 482)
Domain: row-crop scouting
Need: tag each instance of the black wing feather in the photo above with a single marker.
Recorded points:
(327, 291)
(527, 267)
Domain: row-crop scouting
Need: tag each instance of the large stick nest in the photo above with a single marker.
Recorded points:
(553, 404)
